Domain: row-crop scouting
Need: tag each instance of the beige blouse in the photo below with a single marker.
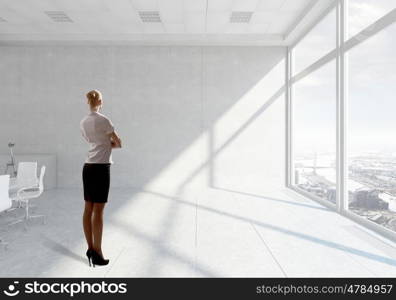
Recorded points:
(95, 128)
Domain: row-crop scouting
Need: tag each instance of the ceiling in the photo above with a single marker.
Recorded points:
(180, 21)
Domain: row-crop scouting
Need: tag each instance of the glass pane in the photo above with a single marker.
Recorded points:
(316, 44)
(372, 127)
(363, 13)
(314, 133)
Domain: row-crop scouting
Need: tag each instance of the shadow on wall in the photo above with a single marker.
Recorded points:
(166, 130)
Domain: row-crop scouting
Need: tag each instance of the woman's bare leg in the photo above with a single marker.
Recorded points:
(97, 227)
(87, 223)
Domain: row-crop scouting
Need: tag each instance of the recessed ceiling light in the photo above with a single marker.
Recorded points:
(150, 16)
(241, 16)
(58, 16)
(2, 20)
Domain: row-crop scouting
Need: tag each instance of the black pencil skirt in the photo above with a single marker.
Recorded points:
(96, 182)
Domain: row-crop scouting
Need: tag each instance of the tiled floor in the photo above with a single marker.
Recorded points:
(210, 233)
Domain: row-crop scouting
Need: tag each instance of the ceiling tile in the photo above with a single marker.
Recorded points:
(219, 5)
(244, 5)
(265, 17)
(84, 20)
(258, 28)
(153, 28)
(194, 6)
(145, 4)
(171, 11)
(12, 17)
(270, 5)
(195, 22)
(237, 28)
(16, 11)
(123, 10)
(124, 27)
(174, 28)
(282, 25)
(217, 22)
(81, 5)
(295, 5)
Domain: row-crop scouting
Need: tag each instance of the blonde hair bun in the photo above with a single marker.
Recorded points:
(93, 97)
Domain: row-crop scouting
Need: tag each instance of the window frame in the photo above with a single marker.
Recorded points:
(339, 54)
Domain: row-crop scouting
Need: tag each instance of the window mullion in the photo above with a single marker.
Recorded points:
(342, 190)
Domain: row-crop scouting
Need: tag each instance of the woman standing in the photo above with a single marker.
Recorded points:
(99, 132)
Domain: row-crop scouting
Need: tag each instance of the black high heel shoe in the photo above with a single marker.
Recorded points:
(97, 259)
(89, 256)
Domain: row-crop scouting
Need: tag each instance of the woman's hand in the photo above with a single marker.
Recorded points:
(115, 140)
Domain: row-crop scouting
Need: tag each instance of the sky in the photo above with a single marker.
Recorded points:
(372, 81)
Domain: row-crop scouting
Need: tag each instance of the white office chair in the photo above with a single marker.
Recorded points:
(5, 201)
(25, 194)
(26, 177)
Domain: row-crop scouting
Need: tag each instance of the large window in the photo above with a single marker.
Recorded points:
(317, 43)
(314, 113)
(342, 120)
(314, 128)
(372, 129)
(363, 13)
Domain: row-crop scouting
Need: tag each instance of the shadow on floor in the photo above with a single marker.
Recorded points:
(351, 250)
(59, 248)
(273, 199)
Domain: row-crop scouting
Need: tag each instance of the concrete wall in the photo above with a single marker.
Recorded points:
(188, 116)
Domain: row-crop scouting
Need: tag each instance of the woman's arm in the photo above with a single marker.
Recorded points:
(115, 140)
